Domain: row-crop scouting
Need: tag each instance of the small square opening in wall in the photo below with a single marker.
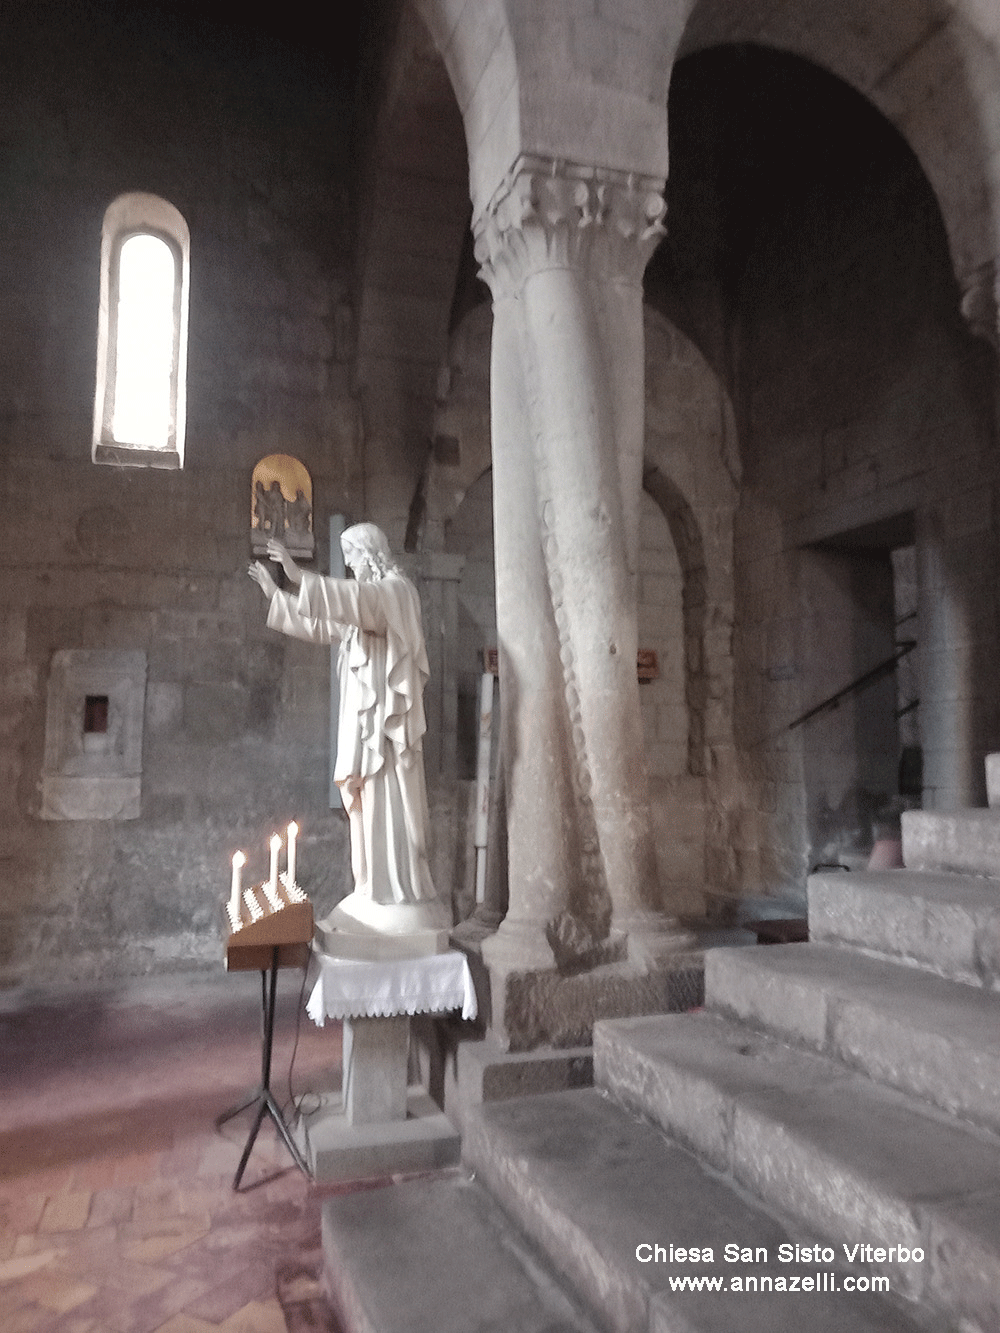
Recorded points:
(95, 715)
(92, 767)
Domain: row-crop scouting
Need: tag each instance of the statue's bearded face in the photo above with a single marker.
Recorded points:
(354, 559)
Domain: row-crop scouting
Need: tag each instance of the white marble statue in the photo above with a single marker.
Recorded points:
(380, 766)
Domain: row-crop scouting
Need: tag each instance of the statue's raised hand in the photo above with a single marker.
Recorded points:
(276, 551)
(260, 574)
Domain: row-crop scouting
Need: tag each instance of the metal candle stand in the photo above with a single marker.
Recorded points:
(263, 1099)
(277, 936)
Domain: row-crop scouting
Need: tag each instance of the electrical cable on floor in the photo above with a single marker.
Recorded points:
(290, 1103)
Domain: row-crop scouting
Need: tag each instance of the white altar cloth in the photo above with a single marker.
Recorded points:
(349, 988)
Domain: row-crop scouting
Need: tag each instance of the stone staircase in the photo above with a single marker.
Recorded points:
(843, 1093)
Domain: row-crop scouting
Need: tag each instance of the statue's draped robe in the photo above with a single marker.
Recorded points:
(382, 667)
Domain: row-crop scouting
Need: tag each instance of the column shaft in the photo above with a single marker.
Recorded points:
(593, 590)
(543, 849)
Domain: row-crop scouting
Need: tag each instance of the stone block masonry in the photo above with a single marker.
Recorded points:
(126, 560)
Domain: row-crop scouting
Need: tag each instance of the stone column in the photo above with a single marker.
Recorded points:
(564, 250)
(543, 846)
(957, 621)
(956, 545)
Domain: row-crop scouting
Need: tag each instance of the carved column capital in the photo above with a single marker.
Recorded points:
(980, 303)
(551, 214)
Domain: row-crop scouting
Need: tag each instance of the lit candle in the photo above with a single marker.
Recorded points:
(239, 861)
(293, 833)
(275, 849)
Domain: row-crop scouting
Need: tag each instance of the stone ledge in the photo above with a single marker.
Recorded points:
(482, 1071)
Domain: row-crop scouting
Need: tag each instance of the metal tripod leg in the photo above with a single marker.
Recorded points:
(263, 1099)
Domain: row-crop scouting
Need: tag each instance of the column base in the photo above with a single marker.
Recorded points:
(656, 941)
(544, 1007)
(482, 1071)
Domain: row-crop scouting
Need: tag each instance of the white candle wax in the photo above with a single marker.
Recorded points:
(275, 849)
(239, 861)
(293, 833)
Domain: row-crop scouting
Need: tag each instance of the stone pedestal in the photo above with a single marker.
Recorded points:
(536, 1025)
(375, 1066)
(423, 1140)
(361, 929)
(379, 1125)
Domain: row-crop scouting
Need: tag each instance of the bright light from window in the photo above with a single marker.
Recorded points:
(144, 354)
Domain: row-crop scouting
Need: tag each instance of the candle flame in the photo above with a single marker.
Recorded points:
(293, 829)
(275, 841)
(239, 859)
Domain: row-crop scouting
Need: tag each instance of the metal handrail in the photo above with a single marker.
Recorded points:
(876, 673)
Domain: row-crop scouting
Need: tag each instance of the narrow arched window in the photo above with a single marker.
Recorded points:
(139, 408)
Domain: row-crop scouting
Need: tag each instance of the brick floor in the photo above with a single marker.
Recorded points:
(117, 1213)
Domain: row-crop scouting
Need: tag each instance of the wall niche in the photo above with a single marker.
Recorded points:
(93, 735)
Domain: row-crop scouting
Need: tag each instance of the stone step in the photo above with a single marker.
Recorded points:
(966, 842)
(592, 1185)
(853, 1161)
(949, 924)
(437, 1255)
(935, 1038)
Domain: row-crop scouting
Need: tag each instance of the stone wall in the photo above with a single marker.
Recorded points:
(814, 404)
(248, 137)
(808, 259)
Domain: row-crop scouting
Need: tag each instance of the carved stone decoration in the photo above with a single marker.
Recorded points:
(559, 213)
(93, 735)
(281, 506)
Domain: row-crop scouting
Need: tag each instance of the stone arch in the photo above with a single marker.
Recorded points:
(553, 82)
(931, 68)
(834, 325)
(473, 44)
(691, 471)
(686, 536)
(413, 216)
(461, 442)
